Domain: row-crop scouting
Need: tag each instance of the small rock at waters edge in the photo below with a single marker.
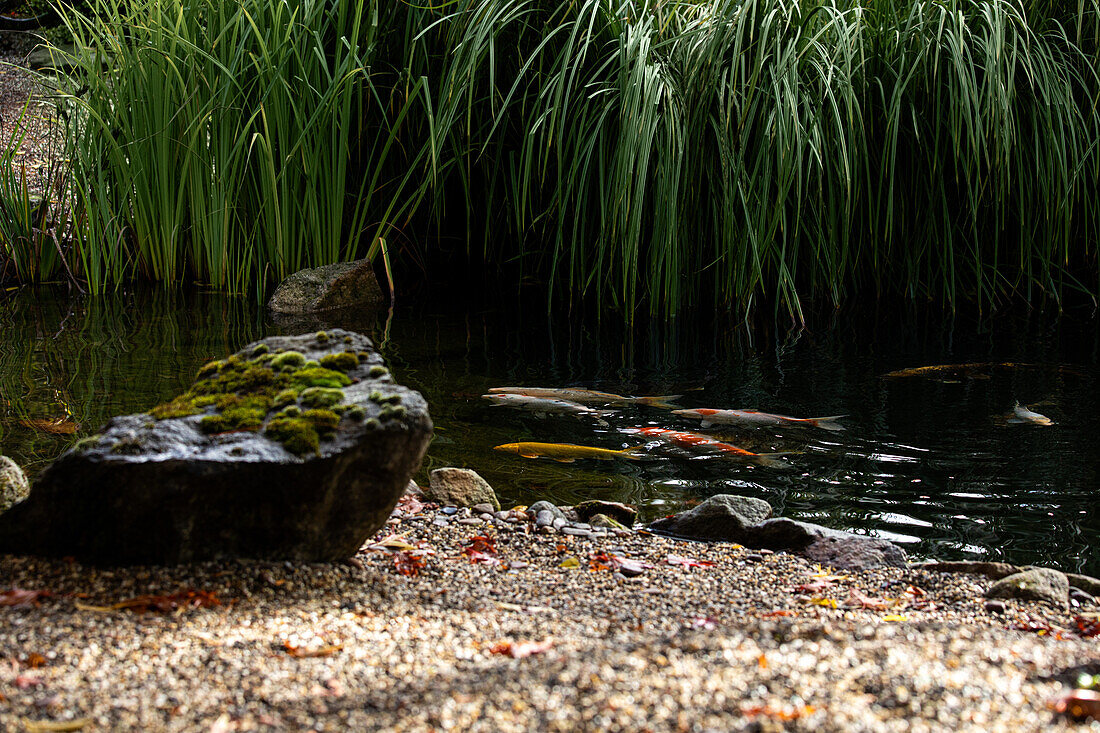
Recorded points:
(624, 514)
(604, 521)
(991, 570)
(1081, 597)
(13, 484)
(484, 508)
(995, 607)
(722, 517)
(460, 487)
(338, 286)
(1037, 584)
(1086, 583)
(544, 506)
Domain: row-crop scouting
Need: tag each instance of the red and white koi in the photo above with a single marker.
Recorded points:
(541, 406)
(695, 441)
(754, 418)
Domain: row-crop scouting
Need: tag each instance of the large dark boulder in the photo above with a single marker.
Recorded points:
(293, 448)
(744, 520)
(340, 286)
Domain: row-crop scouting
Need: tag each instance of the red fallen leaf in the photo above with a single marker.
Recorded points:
(626, 566)
(688, 562)
(786, 714)
(409, 505)
(184, 599)
(34, 660)
(20, 598)
(481, 544)
(521, 649)
(1079, 704)
(26, 681)
(781, 612)
(859, 599)
(301, 652)
(814, 588)
(481, 557)
(409, 563)
(1087, 628)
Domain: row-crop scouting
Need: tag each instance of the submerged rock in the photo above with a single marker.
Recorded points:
(338, 286)
(624, 514)
(744, 520)
(1035, 584)
(293, 448)
(13, 484)
(460, 487)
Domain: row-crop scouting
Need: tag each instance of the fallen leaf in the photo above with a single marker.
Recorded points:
(703, 622)
(42, 726)
(26, 681)
(827, 574)
(1087, 628)
(301, 652)
(617, 563)
(781, 612)
(34, 660)
(784, 713)
(393, 543)
(20, 598)
(409, 506)
(175, 602)
(570, 563)
(519, 650)
(894, 617)
(762, 661)
(688, 562)
(826, 602)
(481, 557)
(55, 426)
(1079, 704)
(409, 563)
(818, 586)
(480, 544)
(859, 599)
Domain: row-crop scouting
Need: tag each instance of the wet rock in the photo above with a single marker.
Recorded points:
(723, 517)
(461, 487)
(624, 514)
(576, 531)
(995, 607)
(744, 520)
(1084, 582)
(544, 506)
(231, 469)
(605, 522)
(484, 508)
(13, 484)
(332, 287)
(992, 570)
(1037, 584)
(544, 519)
(1081, 597)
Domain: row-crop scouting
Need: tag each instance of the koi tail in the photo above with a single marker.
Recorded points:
(666, 401)
(827, 423)
(773, 460)
(634, 452)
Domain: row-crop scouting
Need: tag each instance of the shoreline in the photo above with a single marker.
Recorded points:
(752, 642)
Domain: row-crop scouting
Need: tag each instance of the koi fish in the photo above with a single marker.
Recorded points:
(542, 406)
(695, 440)
(758, 419)
(587, 396)
(1020, 415)
(567, 452)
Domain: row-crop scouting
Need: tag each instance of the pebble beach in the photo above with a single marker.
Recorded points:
(445, 621)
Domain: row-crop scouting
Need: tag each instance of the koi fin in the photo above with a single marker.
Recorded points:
(529, 455)
(827, 423)
(667, 401)
(634, 452)
(565, 460)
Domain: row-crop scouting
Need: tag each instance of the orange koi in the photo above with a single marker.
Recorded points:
(696, 441)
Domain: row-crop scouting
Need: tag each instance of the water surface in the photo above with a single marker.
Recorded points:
(924, 460)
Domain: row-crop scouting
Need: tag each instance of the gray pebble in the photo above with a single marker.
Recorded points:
(486, 516)
(576, 531)
(441, 521)
(471, 522)
(449, 510)
(544, 519)
(754, 557)
(560, 522)
(997, 607)
(483, 508)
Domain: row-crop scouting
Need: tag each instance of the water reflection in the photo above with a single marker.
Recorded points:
(923, 460)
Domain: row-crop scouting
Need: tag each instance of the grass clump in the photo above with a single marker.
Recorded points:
(343, 361)
(321, 397)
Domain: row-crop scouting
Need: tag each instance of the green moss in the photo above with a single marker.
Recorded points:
(127, 446)
(260, 350)
(321, 336)
(321, 397)
(181, 406)
(87, 443)
(364, 355)
(319, 377)
(209, 368)
(284, 398)
(390, 411)
(347, 339)
(344, 361)
(288, 360)
(375, 396)
(372, 424)
(291, 411)
(378, 370)
(356, 413)
(324, 421)
(234, 418)
(205, 400)
(296, 434)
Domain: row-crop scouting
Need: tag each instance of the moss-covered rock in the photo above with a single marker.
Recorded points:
(276, 451)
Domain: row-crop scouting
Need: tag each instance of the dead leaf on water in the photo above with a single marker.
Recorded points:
(55, 426)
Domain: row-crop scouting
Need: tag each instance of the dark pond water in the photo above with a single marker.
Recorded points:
(924, 460)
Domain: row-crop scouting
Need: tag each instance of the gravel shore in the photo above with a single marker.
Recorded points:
(736, 645)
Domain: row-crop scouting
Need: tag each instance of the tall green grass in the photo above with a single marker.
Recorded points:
(217, 140)
(656, 154)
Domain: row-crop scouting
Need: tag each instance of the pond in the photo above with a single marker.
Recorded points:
(926, 458)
